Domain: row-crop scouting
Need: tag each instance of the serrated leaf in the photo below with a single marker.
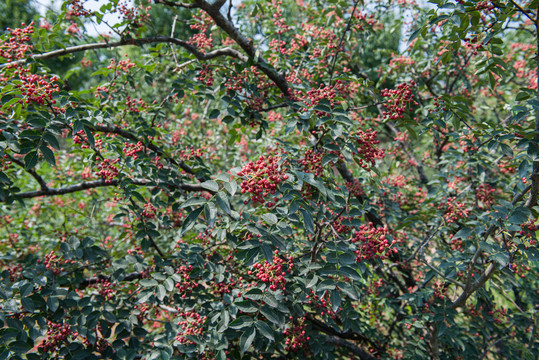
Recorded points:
(501, 258)
(53, 303)
(210, 185)
(51, 140)
(254, 294)
(190, 220)
(222, 201)
(271, 315)
(270, 218)
(194, 201)
(89, 136)
(28, 304)
(247, 339)
(307, 220)
(48, 155)
(335, 300)
(148, 282)
(265, 330)
(30, 160)
(241, 323)
(161, 292)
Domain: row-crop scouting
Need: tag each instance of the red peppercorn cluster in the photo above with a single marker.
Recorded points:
(485, 194)
(528, 230)
(372, 243)
(275, 273)
(262, 179)
(131, 150)
(205, 75)
(296, 337)
(455, 210)
(77, 9)
(366, 148)
(400, 100)
(187, 285)
(355, 188)
(16, 47)
(57, 335)
(104, 288)
(108, 170)
(52, 262)
(312, 162)
(192, 324)
(35, 88)
(202, 40)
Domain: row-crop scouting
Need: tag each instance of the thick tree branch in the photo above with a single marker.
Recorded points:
(176, 4)
(97, 184)
(32, 172)
(246, 44)
(136, 42)
(126, 134)
(362, 354)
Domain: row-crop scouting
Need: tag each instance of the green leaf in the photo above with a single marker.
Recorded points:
(222, 201)
(148, 282)
(307, 220)
(19, 347)
(190, 220)
(270, 218)
(501, 258)
(254, 294)
(194, 201)
(30, 160)
(265, 330)
(519, 215)
(210, 185)
(53, 303)
(28, 304)
(241, 322)
(51, 140)
(335, 300)
(48, 155)
(247, 339)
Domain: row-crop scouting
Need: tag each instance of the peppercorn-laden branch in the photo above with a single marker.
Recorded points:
(136, 42)
(32, 172)
(246, 44)
(126, 134)
(100, 183)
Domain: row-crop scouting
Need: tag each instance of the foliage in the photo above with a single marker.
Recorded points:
(271, 179)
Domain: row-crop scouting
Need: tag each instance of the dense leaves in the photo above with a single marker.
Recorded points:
(270, 179)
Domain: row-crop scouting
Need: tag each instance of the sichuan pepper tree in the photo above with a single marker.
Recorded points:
(276, 179)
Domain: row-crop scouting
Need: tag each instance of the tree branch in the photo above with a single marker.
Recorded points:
(136, 42)
(246, 44)
(32, 172)
(96, 184)
(362, 354)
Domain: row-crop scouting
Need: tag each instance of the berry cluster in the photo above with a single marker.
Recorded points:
(77, 9)
(191, 325)
(187, 285)
(275, 273)
(485, 194)
(355, 188)
(107, 169)
(296, 337)
(131, 150)
(262, 179)
(312, 162)
(372, 243)
(205, 75)
(455, 210)
(366, 148)
(57, 334)
(149, 211)
(400, 100)
(200, 39)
